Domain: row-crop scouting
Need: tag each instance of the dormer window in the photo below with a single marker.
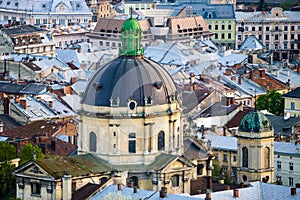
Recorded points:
(44, 5)
(78, 6)
(17, 3)
(8, 3)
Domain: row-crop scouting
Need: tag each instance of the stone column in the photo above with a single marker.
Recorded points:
(146, 128)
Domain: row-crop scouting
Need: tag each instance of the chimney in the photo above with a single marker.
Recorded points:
(51, 104)
(298, 69)
(119, 186)
(23, 103)
(227, 72)
(135, 189)
(208, 196)
(17, 99)
(53, 144)
(6, 105)
(262, 73)
(240, 80)
(233, 78)
(1, 127)
(39, 98)
(67, 187)
(67, 89)
(236, 193)
(163, 192)
(293, 191)
(195, 86)
(73, 80)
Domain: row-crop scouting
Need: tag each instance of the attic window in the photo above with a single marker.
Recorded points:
(44, 5)
(8, 3)
(78, 5)
(17, 3)
(0, 2)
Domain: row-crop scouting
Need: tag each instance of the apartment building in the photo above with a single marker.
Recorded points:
(278, 30)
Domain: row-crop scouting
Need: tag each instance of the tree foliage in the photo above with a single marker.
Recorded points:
(287, 4)
(28, 151)
(216, 169)
(262, 6)
(7, 180)
(272, 102)
(7, 151)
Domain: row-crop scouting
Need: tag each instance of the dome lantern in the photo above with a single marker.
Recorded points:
(131, 35)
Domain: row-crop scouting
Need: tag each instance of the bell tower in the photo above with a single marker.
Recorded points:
(255, 149)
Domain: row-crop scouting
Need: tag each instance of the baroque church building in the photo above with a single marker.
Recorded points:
(131, 117)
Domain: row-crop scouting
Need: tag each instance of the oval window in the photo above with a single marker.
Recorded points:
(132, 105)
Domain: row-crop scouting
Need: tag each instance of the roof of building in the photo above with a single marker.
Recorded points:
(194, 149)
(293, 94)
(232, 59)
(252, 44)
(235, 121)
(255, 121)
(85, 191)
(115, 25)
(227, 143)
(17, 88)
(81, 165)
(23, 30)
(287, 148)
(283, 126)
(244, 85)
(217, 109)
(257, 190)
(265, 16)
(128, 78)
(190, 99)
(47, 6)
(112, 192)
(212, 11)
(181, 23)
(266, 81)
(285, 75)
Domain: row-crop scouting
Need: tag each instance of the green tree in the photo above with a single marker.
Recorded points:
(216, 168)
(272, 101)
(28, 151)
(7, 151)
(7, 180)
(287, 4)
(261, 5)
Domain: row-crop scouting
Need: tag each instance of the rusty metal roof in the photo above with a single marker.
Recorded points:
(76, 166)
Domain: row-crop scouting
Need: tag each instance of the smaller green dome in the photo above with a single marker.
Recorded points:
(255, 121)
(130, 24)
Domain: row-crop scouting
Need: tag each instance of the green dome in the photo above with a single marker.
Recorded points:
(255, 121)
(130, 24)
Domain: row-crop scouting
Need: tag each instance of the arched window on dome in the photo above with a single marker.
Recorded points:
(266, 157)
(161, 141)
(93, 142)
(132, 143)
(244, 157)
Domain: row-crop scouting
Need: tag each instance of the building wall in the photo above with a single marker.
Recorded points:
(277, 32)
(100, 9)
(256, 144)
(289, 176)
(113, 135)
(224, 30)
(291, 107)
(227, 160)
